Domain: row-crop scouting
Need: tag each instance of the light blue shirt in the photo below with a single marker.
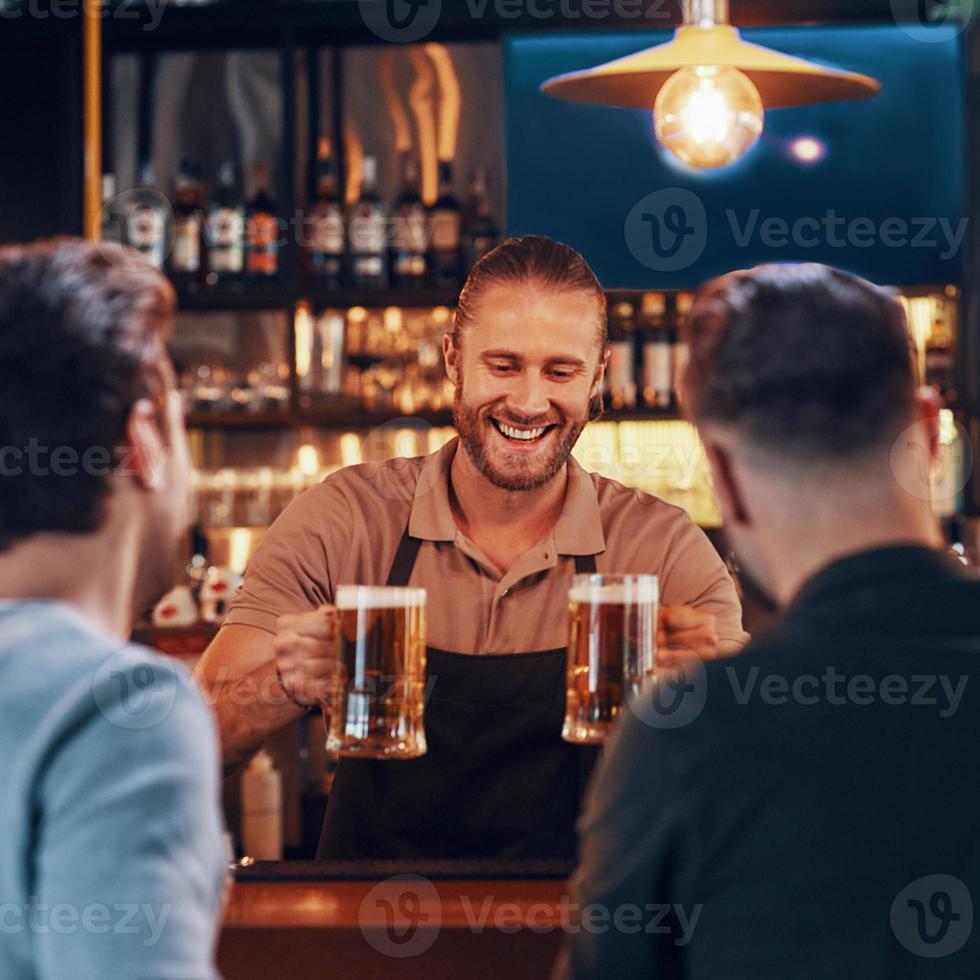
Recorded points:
(111, 847)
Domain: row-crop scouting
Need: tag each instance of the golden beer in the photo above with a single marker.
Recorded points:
(612, 644)
(376, 703)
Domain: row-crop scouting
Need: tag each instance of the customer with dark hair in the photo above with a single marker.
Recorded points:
(111, 858)
(810, 808)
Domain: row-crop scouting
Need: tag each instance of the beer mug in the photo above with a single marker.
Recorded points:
(612, 647)
(376, 702)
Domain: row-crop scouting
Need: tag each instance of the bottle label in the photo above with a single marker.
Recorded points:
(620, 371)
(225, 229)
(409, 233)
(263, 244)
(444, 231)
(145, 227)
(328, 231)
(368, 266)
(187, 245)
(367, 229)
(658, 367)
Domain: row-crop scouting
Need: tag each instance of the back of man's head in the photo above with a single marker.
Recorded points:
(806, 364)
(82, 330)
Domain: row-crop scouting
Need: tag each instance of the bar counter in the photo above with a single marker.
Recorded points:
(375, 919)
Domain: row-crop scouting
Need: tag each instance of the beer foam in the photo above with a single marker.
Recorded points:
(377, 597)
(646, 589)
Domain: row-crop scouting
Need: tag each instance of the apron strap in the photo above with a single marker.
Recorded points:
(404, 562)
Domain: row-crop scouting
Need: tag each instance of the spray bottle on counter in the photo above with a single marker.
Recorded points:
(262, 809)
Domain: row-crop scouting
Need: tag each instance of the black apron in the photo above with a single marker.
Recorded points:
(497, 780)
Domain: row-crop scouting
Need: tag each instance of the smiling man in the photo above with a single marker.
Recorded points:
(493, 525)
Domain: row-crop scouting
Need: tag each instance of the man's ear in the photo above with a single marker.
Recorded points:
(928, 403)
(146, 454)
(731, 496)
(451, 356)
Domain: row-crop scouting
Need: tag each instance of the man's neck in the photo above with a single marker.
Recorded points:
(482, 508)
(798, 553)
(94, 573)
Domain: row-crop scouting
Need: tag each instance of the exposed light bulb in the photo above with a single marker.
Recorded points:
(708, 116)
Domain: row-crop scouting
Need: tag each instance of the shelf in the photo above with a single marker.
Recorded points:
(245, 298)
(354, 418)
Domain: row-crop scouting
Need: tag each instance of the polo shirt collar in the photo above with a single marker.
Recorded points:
(579, 527)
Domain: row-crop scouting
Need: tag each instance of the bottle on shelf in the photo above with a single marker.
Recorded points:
(409, 268)
(146, 219)
(262, 230)
(112, 221)
(226, 231)
(480, 231)
(445, 219)
(366, 229)
(621, 370)
(185, 258)
(327, 247)
(659, 338)
(939, 359)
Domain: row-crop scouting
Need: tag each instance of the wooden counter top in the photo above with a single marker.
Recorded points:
(405, 925)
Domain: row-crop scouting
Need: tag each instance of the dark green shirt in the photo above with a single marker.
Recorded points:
(809, 808)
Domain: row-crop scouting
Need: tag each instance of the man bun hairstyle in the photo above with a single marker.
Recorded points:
(530, 259)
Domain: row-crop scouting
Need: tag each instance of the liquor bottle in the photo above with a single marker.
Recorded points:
(409, 267)
(620, 374)
(146, 219)
(940, 368)
(480, 232)
(658, 352)
(445, 220)
(226, 231)
(327, 251)
(366, 229)
(112, 219)
(262, 230)
(185, 259)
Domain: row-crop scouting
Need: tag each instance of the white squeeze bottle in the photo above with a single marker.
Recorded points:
(262, 809)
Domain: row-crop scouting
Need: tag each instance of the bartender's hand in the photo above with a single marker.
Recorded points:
(306, 654)
(684, 632)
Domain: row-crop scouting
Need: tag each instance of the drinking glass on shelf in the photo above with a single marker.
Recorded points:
(612, 647)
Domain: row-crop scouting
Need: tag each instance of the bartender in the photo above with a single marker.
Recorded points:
(493, 526)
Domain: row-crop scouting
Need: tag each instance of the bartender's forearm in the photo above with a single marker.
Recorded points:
(238, 677)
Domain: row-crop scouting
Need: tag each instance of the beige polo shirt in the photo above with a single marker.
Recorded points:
(347, 529)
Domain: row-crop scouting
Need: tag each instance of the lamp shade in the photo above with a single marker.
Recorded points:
(633, 82)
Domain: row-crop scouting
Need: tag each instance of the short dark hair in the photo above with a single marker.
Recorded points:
(82, 329)
(804, 360)
(530, 259)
